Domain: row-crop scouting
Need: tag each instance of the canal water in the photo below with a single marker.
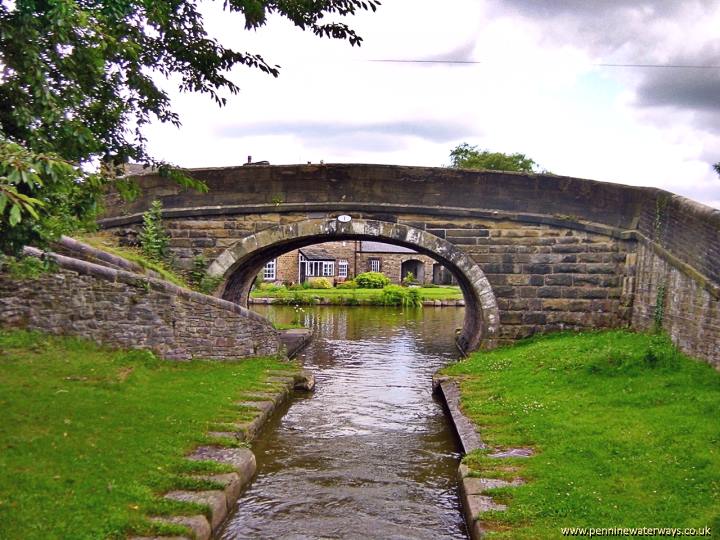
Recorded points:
(370, 453)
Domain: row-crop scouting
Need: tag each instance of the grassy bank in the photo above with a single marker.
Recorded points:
(107, 242)
(625, 428)
(90, 437)
(340, 296)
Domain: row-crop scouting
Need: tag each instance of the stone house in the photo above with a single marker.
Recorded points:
(339, 261)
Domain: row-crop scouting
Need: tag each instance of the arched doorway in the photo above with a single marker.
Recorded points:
(414, 268)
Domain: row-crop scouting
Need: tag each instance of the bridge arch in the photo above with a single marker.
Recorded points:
(239, 264)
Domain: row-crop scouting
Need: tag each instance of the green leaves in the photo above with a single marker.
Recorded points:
(41, 196)
(465, 156)
(154, 241)
(78, 86)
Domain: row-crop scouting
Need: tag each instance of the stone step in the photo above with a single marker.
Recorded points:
(215, 499)
(198, 524)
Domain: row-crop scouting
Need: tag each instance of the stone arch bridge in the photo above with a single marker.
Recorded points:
(532, 253)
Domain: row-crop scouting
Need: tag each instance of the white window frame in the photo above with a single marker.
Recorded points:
(328, 268)
(342, 268)
(270, 270)
(374, 265)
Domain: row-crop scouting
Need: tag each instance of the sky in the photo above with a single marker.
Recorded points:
(557, 80)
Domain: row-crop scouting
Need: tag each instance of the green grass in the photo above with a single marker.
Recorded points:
(361, 296)
(89, 437)
(108, 243)
(626, 429)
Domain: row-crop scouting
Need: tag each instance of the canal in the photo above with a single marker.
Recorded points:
(370, 453)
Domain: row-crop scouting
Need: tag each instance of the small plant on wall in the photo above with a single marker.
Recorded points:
(154, 241)
(659, 312)
(199, 278)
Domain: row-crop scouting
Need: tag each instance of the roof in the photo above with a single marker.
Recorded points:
(316, 253)
(382, 247)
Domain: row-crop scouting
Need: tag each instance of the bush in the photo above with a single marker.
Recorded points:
(372, 280)
(409, 279)
(350, 284)
(319, 283)
(26, 267)
(154, 241)
(268, 286)
(395, 295)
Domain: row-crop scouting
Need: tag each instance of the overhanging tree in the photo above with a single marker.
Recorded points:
(465, 156)
(77, 87)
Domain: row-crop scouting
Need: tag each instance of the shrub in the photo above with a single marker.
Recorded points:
(26, 267)
(409, 279)
(372, 280)
(395, 295)
(154, 240)
(197, 273)
(350, 284)
(319, 283)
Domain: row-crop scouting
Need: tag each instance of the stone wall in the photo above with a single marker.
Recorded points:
(546, 277)
(690, 313)
(121, 309)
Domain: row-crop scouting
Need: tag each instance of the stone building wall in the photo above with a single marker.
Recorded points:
(391, 264)
(287, 263)
(122, 309)
(690, 313)
(287, 267)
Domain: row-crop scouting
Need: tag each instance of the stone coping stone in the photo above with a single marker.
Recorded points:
(450, 392)
(241, 459)
(160, 538)
(199, 525)
(215, 499)
(231, 482)
(473, 499)
(224, 434)
(277, 397)
(287, 381)
(512, 453)
(478, 486)
(263, 406)
(304, 380)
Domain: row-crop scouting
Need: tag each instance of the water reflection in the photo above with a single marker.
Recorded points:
(369, 455)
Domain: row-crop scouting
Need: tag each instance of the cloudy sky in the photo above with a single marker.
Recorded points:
(564, 81)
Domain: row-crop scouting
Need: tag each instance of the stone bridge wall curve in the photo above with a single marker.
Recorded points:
(240, 263)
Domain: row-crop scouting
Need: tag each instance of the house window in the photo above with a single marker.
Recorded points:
(313, 268)
(342, 268)
(374, 265)
(269, 270)
(328, 268)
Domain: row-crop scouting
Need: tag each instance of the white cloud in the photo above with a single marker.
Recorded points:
(536, 92)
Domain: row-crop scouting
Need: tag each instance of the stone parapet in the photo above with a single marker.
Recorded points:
(122, 309)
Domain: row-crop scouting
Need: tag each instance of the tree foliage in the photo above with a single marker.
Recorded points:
(465, 156)
(79, 81)
(717, 168)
